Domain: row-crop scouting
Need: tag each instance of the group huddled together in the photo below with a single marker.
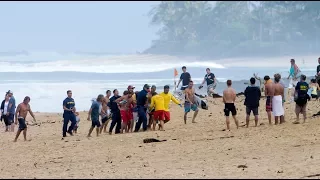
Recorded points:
(148, 108)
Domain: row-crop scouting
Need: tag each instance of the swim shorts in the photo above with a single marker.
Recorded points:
(269, 104)
(188, 107)
(126, 115)
(158, 115)
(213, 86)
(22, 123)
(254, 110)
(229, 107)
(95, 123)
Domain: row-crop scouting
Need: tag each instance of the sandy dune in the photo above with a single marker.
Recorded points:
(200, 150)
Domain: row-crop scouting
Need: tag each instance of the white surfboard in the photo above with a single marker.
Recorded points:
(201, 103)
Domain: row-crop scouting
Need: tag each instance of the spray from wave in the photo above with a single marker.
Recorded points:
(107, 64)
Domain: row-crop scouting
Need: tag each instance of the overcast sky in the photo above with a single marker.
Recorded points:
(76, 26)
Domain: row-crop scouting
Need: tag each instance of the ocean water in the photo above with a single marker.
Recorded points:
(47, 77)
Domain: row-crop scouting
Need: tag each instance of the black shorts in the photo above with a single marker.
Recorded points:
(254, 110)
(229, 107)
(95, 123)
(22, 123)
(314, 96)
(105, 119)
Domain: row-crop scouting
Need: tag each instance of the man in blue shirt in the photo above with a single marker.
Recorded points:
(11, 109)
(115, 111)
(94, 113)
(185, 77)
(68, 114)
(142, 109)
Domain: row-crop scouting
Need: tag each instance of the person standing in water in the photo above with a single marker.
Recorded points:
(211, 82)
(68, 114)
(293, 77)
(115, 111)
(252, 94)
(94, 113)
(301, 91)
(21, 115)
(11, 109)
(190, 103)
(229, 98)
(269, 92)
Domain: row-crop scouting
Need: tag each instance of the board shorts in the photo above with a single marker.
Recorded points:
(22, 123)
(213, 86)
(158, 115)
(301, 108)
(126, 116)
(254, 110)
(188, 107)
(95, 123)
(229, 107)
(269, 104)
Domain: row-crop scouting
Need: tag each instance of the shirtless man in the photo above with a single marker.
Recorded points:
(190, 103)
(135, 113)
(125, 103)
(278, 110)
(229, 97)
(21, 115)
(151, 111)
(269, 92)
(106, 116)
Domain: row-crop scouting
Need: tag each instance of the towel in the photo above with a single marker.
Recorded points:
(277, 107)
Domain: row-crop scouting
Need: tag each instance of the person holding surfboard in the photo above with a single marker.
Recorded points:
(190, 103)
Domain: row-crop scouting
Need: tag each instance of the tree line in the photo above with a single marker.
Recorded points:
(234, 29)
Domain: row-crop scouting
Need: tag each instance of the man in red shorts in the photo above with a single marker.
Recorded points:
(157, 102)
(167, 96)
(125, 103)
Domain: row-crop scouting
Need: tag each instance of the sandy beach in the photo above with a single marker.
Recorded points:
(200, 150)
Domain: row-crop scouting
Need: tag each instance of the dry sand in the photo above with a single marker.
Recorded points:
(200, 150)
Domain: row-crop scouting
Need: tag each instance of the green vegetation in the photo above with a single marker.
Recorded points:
(234, 29)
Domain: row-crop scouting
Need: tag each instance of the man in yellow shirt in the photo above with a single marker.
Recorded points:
(157, 102)
(167, 96)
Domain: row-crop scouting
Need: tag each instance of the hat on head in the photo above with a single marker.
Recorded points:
(131, 87)
(146, 86)
(9, 92)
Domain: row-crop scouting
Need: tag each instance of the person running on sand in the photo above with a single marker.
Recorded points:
(277, 107)
(301, 91)
(94, 113)
(75, 130)
(142, 108)
(229, 98)
(211, 82)
(252, 94)
(4, 110)
(68, 114)
(157, 103)
(167, 96)
(269, 92)
(134, 112)
(105, 115)
(115, 111)
(190, 103)
(151, 111)
(125, 103)
(293, 77)
(21, 115)
(11, 109)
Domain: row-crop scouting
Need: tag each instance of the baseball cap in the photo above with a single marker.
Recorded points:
(146, 86)
(166, 87)
(9, 92)
(131, 87)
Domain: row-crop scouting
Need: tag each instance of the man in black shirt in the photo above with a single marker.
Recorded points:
(116, 116)
(142, 101)
(185, 78)
(68, 114)
(301, 98)
(211, 82)
(252, 94)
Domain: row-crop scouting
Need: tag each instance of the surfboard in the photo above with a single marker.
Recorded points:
(201, 103)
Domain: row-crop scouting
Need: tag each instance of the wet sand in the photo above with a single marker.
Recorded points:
(200, 150)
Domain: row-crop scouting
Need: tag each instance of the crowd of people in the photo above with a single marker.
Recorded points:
(148, 108)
